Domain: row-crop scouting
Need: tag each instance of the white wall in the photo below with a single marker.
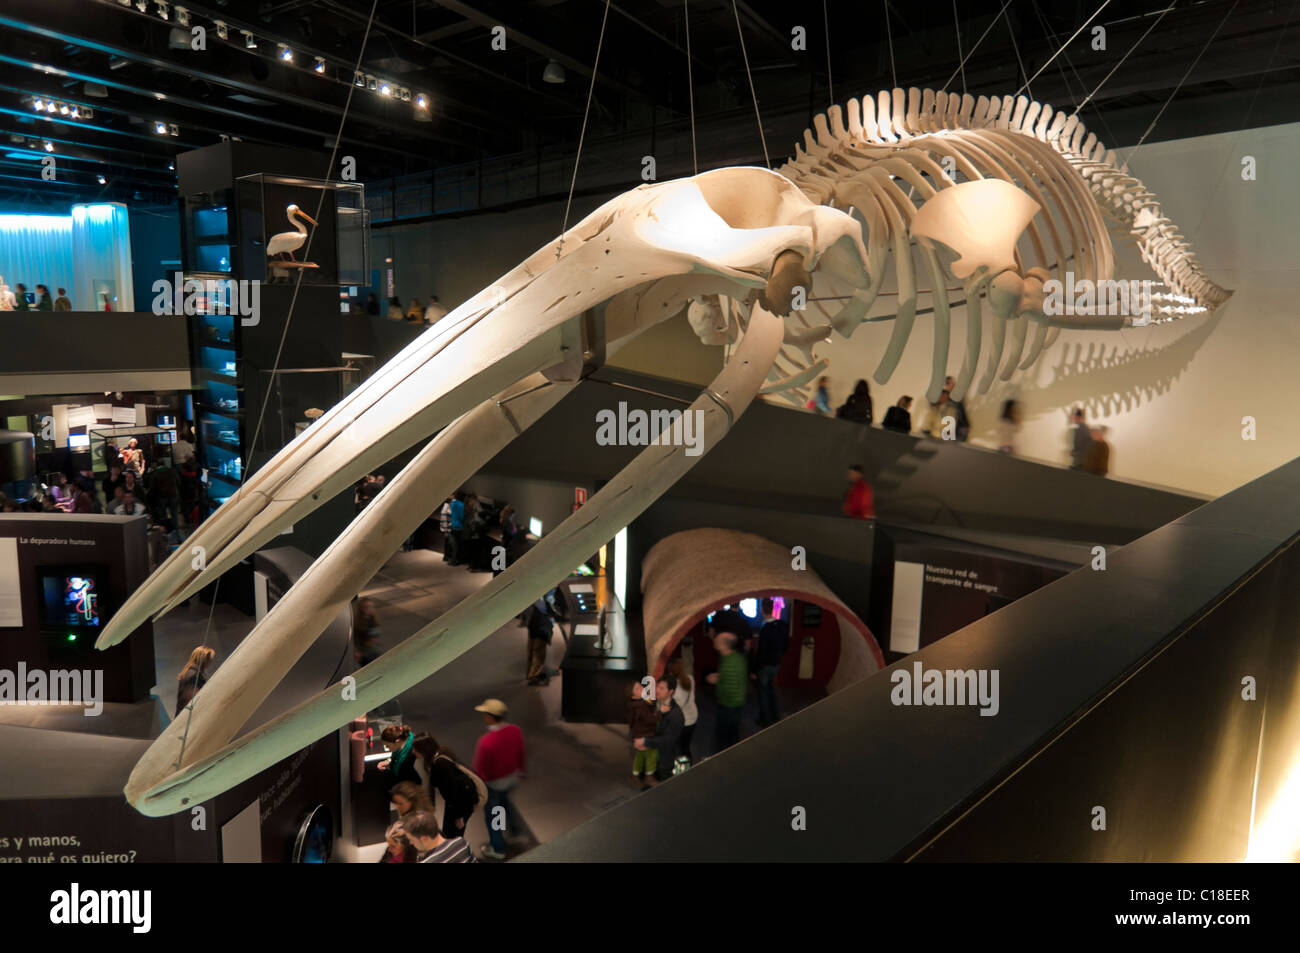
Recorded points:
(1174, 395)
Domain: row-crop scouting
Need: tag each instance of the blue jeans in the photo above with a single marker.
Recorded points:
(497, 799)
(767, 713)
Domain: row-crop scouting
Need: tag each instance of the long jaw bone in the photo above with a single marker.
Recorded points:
(276, 643)
(156, 789)
(719, 231)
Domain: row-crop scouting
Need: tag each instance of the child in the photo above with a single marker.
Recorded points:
(641, 723)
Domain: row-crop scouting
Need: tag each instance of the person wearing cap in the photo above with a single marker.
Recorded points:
(499, 761)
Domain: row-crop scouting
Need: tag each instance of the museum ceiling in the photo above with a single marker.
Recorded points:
(437, 93)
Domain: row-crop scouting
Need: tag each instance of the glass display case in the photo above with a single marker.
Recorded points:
(209, 233)
(218, 403)
(313, 230)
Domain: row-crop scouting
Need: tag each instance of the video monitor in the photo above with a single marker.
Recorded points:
(70, 598)
(78, 441)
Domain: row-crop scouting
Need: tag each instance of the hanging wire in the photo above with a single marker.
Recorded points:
(279, 351)
(690, 85)
(1065, 77)
(741, 33)
(573, 184)
(1104, 5)
(961, 66)
(826, 28)
(961, 60)
(1180, 82)
(1016, 47)
(1231, 153)
(889, 32)
(1107, 77)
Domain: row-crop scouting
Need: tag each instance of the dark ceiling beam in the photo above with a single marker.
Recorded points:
(149, 106)
(543, 49)
(495, 76)
(42, 19)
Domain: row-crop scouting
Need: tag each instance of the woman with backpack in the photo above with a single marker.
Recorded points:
(443, 775)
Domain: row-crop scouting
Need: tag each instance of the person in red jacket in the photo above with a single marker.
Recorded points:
(859, 501)
(499, 761)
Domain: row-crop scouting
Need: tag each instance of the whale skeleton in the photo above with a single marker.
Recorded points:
(998, 194)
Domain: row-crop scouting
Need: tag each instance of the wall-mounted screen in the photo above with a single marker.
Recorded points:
(70, 597)
(78, 441)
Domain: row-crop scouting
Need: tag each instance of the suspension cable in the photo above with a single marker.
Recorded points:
(741, 34)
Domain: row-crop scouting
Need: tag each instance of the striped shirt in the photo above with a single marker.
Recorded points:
(453, 850)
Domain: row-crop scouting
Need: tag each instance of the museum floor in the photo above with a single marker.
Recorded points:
(575, 771)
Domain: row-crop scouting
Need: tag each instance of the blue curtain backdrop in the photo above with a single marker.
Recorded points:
(87, 252)
(36, 249)
(101, 249)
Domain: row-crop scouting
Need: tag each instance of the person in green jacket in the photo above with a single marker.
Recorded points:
(731, 682)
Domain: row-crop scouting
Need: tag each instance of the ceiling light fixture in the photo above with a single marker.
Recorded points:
(49, 146)
(174, 129)
(385, 89)
(162, 9)
(359, 80)
(554, 73)
(102, 180)
(223, 31)
(63, 109)
(142, 5)
(422, 101)
(39, 105)
(160, 128)
(250, 41)
(404, 94)
(285, 53)
(320, 65)
(371, 84)
(182, 16)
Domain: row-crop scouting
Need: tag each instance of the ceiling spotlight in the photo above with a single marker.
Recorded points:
(49, 146)
(385, 89)
(250, 41)
(142, 5)
(160, 128)
(162, 9)
(223, 31)
(554, 73)
(284, 52)
(182, 16)
(102, 180)
(63, 109)
(404, 94)
(320, 65)
(76, 112)
(174, 129)
(171, 166)
(39, 105)
(370, 82)
(359, 80)
(421, 101)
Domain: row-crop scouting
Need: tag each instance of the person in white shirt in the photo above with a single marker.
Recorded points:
(684, 696)
(128, 506)
(7, 299)
(435, 311)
